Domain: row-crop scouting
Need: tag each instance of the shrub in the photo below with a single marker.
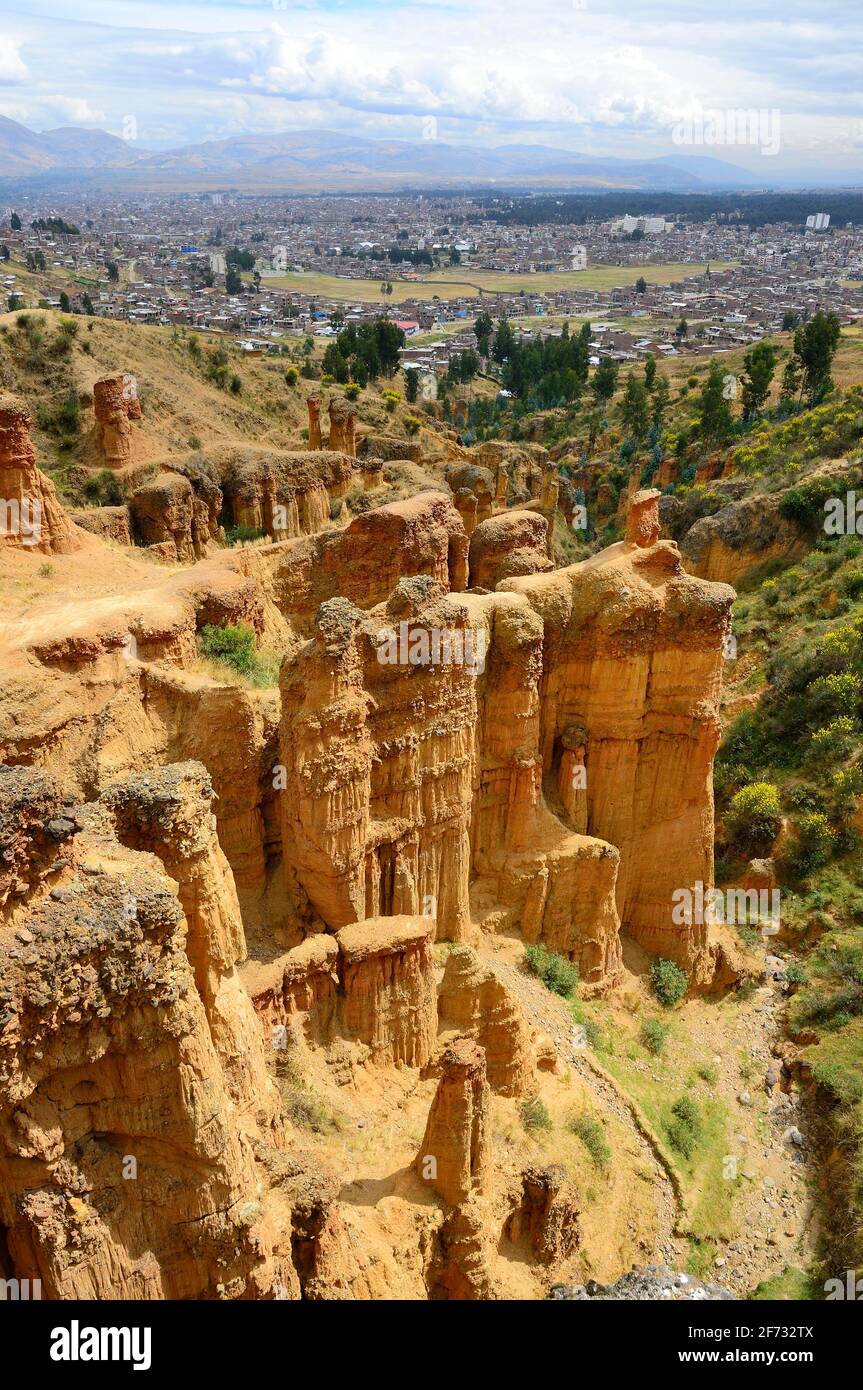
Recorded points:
(754, 816)
(813, 843)
(556, 972)
(235, 646)
(534, 1115)
(846, 785)
(837, 694)
(104, 489)
(852, 583)
(352, 390)
(236, 535)
(669, 982)
(292, 376)
(592, 1136)
(685, 1127)
(654, 1035)
(805, 503)
(412, 424)
(834, 741)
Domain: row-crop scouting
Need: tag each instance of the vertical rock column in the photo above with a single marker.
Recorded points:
(548, 495)
(642, 518)
(455, 1155)
(501, 484)
(31, 517)
(343, 416)
(313, 404)
(115, 401)
(168, 813)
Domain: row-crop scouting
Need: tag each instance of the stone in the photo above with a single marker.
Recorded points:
(455, 1155)
(642, 521)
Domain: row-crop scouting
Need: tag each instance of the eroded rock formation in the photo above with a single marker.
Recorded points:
(343, 423)
(465, 745)
(162, 512)
(508, 544)
(31, 518)
(126, 1169)
(281, 494)
(642, 522)
(473, 1001)
(313, 404)
(116, 403)
(473, 492)
(388, 986)
(546, 1219)
(455, 1154)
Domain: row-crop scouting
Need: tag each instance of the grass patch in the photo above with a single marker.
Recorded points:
(792, 1285)
(235, 648)
(592, 1136)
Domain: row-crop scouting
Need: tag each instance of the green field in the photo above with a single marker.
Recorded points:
(451, 284)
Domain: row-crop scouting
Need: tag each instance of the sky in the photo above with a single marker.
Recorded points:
(632, 78)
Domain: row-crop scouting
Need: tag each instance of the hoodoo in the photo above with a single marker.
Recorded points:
(31, 517)
(116, 403)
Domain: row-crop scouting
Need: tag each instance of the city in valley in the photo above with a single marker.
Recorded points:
(709, 274)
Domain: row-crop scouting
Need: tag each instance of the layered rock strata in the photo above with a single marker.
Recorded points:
(414, 773)
(370, 984)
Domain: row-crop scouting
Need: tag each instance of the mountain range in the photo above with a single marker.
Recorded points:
(323, 161)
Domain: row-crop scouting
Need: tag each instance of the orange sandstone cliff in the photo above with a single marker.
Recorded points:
(236, 921)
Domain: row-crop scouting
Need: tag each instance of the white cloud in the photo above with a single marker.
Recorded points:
(12, 66)
(613, 77)
(76, 110)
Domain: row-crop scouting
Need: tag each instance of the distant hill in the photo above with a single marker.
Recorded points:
(321, 160)
(24, 154)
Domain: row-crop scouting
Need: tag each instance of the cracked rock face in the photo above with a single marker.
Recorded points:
(126, 1166)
